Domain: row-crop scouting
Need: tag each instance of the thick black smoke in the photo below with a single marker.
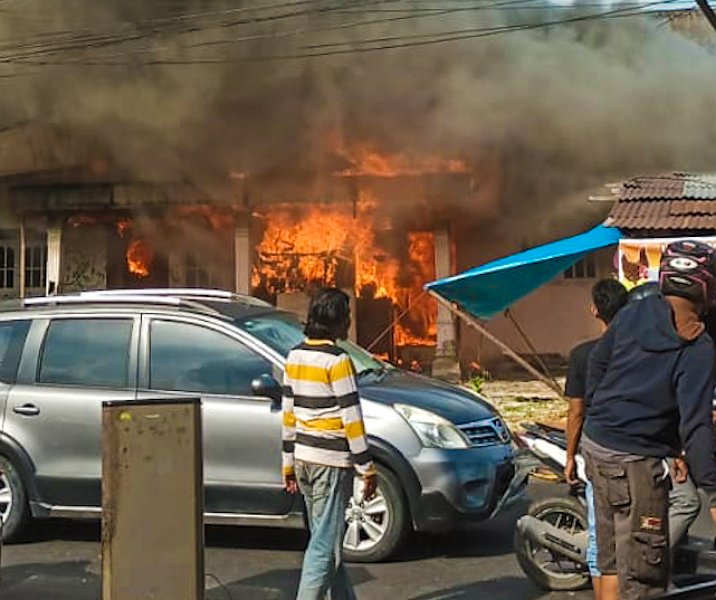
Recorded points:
(555, 110)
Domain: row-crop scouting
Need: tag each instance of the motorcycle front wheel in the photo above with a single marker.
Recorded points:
(544, 567)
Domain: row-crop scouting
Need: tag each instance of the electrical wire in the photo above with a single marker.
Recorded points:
(89, 39)
(73, 36)
(335, 48)
(221, 585)
(433, 12)
(479, 30)
(339, 48)
(339, 27)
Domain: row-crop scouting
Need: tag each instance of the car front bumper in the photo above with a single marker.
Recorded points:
(466, 485)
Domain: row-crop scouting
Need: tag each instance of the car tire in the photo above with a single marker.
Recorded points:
(386, 518)
(575, 516)
(14, 507)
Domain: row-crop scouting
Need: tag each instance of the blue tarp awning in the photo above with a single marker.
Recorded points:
(488, 290)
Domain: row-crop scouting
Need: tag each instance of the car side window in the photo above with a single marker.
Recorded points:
(12, 340)
(86, 352)
(191, 358)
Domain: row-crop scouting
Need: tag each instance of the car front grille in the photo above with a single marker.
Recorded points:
(488, 432)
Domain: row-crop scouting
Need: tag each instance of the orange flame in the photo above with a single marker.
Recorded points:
(305, 245)
(422, 309)
(366, 159)
(123, 226)
(139, 257)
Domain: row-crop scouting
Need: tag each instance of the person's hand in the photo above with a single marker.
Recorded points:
(289, 483)
(370, 485)
(680, 470)
(570, 471)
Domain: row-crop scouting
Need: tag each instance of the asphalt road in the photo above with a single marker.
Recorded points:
(61, 561)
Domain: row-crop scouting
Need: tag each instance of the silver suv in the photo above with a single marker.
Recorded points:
(443, 453)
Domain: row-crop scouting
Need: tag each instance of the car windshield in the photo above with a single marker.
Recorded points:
(283, 332)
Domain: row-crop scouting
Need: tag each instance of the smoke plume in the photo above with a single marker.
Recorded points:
(191, 91)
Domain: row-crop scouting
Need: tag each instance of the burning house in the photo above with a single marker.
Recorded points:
(377, 226)
(270, 150)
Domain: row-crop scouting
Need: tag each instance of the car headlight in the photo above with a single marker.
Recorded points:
(433, 430)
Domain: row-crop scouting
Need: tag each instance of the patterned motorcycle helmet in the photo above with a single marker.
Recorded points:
(688, 269)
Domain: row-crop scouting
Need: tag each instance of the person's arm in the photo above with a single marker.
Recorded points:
(574, 389)
(343, 382)
(599, 359)
(575, 422)
(694, 384)
(288, 437)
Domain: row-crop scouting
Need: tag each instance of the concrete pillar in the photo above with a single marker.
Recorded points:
(446, 365)
(242, 255)
(22, 263)
(54, 253)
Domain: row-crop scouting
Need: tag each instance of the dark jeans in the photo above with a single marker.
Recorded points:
(631, 502)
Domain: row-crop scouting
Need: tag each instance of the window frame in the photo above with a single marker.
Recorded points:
(584, 264)
(144, 371)
(39, 333)
(31, 249)
(9, 242)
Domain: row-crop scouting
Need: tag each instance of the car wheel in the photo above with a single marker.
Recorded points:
(14, 509)
(377, 528)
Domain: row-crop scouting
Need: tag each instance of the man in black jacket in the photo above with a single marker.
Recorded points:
(650, 385)
(608, 296)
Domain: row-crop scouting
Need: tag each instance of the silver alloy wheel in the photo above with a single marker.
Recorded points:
(5, 497)
(366, 522)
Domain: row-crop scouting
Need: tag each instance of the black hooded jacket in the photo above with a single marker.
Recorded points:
(650, 391)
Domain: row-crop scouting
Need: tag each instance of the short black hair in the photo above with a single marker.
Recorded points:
(608, 296)
(328, 314)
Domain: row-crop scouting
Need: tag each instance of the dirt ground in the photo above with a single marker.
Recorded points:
(526, 401)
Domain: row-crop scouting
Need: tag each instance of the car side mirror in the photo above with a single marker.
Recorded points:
(266, 386)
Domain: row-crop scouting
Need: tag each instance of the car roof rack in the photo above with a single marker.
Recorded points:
(195, 293)
(90, 298)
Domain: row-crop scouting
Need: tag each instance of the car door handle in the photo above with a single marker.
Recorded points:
(29, 410)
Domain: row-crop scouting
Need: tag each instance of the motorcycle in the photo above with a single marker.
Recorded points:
(550, 541)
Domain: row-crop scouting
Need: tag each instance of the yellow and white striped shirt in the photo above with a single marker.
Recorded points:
(322, 417)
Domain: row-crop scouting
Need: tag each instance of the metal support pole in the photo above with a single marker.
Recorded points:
(523, 334)
(475, 324)
(700, 591)
(708, 12)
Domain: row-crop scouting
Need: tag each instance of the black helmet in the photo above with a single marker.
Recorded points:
(642, 291)
(688, 269)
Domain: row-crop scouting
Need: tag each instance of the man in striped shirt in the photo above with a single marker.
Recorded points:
(323, 441)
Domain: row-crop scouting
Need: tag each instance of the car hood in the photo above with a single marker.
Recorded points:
(451, 402)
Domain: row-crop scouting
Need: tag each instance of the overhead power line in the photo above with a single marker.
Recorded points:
(337, 48)
(237, 39)
(405, 41)
(477, 30)
(68, 40)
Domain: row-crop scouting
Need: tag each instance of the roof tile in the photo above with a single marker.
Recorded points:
(678, 201)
